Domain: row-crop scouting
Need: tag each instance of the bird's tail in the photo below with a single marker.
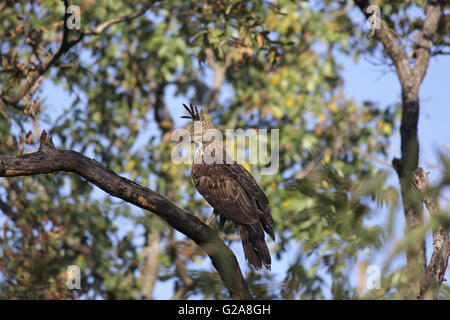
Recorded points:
(254, 244)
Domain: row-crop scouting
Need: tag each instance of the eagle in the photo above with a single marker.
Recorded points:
(231, 190)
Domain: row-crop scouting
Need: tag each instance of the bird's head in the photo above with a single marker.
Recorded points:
(200, 124)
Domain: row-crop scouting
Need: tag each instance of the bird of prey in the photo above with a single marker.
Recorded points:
(232, 191)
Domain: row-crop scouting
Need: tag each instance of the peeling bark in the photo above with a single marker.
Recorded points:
(435, 272)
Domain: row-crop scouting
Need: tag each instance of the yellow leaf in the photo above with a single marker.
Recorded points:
(322, 117)
(276, 80)
(331, 26)
(130, 165)
(290, 102)
(272, 21)
(165, 166)
(387, 127)
(380, 293)
(4, 114)
(380, 124)
(333, 107)
(327, 156)
(367, 117)
(277, 112)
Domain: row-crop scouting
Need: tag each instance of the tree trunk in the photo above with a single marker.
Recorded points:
(410, 80)
(416, 260)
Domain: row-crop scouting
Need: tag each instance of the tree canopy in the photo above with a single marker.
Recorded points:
(254, 64)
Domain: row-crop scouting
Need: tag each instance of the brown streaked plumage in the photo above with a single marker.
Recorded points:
(234, 194)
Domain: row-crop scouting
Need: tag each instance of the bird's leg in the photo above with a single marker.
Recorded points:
(211, 219)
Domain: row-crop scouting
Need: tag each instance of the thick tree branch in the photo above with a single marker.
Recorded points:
(50, 160)
(433, 12)
(441, 247)
(392, 48)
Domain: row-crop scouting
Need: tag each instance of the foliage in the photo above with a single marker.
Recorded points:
(279, 71)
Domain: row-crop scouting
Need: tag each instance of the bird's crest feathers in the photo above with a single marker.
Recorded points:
(201, 122)
(194, 114)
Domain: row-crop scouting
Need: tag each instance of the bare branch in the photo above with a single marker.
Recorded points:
(151, 266)
(388, 39)
(440, 52)
(433, 12)
(50, 160)
(105, 25)
(41, 69)
(219, 76)
(64, 48)
(370, 156)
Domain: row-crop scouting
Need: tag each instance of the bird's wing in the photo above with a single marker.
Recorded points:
(248, 182)
(226, 190)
